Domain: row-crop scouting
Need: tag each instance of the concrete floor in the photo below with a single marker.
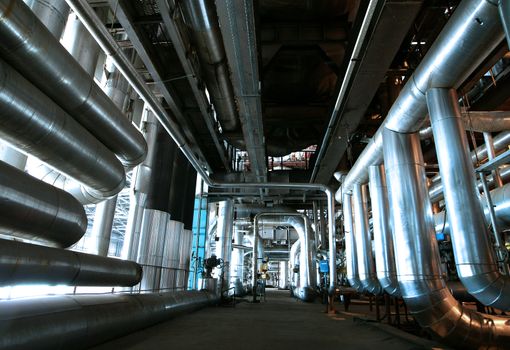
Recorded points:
(279, 323)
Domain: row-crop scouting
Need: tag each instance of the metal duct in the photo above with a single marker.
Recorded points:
(102, 226)
(224, 244)
(474, 28)
(295, 249)
(205, 30)
(171, 255)
(351, 257)
(283, 270)
(185, 245)
(237, 265)
(383, 241)
(366, 265)
(22, 263)
(504, 12)
(476, 262)
(152, 245)
(57, 74)
(306, 289)
(52, 13)
(417, 256)
(79, 322)
(38, 212)
(36, 125)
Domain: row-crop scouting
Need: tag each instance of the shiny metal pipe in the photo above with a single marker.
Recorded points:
(224, 232)
(38, 212)
(81, 321)
(80, 44)
(383, 241)
(171, 255)
(59, 76)
(237, 265)
(283, 272)
(417, 257)
(53, 13)
(185, 245)
(351, 256)
(366, 266)
(102, 226)
(34, 124)
(473, 29)
(491, 152)
(22, 263)
(93, 23)
(306, 290)
(12, 156)
(295, 250)
(504, 12)
(206, 33)
(476, 262)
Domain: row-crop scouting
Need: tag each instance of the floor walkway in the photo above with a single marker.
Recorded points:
(279, 323)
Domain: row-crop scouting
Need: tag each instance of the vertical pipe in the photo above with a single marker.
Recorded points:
(366, 266)
(283, 270)
(491, 153)
(332, 241)
(102, 226)
(224, 244)
(504, 13)
(350, 244)
(322, 224)
(237, 265)
(474, 254)
(383, 241)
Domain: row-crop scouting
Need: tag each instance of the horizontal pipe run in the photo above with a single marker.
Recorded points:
(36, 125)
(33, 210)
(55, 72)
(23, 263)
(79, 322)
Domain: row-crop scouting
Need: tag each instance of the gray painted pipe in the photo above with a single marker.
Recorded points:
(33, 210)
(205, 30)
(477, 265)
(472, 33)
(366, 265)
(383, 241)
(417, 255)
(306, 290)
(35, 124)
(22, 263)
(53, 70)
(351, 256)
(81, 321)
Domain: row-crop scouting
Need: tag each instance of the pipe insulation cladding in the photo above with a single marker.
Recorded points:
(56, 73)
(22, 263)
(81, 321)
(34, 210)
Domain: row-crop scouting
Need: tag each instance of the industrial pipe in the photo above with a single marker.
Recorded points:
(81, 321)
(351, 256)
(237, 265)
(474, 28)
(56, 73)
(295, 249)
(95, 26)
(383, 242)
(35, 124)
(504, 12)
(417, 255)
(206, 33)
(476, 262)
(306, 290)
(224, 232)
(52, 13)
(22, 263)
(366, 266)
(34, 210)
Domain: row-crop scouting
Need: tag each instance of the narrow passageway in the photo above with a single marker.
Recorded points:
(279, 323)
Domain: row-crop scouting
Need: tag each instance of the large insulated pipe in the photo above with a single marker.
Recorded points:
(185, 245)
(417, 255)
(237, 265)
(205, 30)
(474, 28)
(102, 226)
(307, 266)
(22, 263)
(81, 321)
(33, 210)
(383, 240)
(53, 70)
(351, 256)
(171, 255)
(366, 265)
(475, 258)
(295, 250)
(504, 12)
(224, 244)
(35, 124)
(52, 13)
